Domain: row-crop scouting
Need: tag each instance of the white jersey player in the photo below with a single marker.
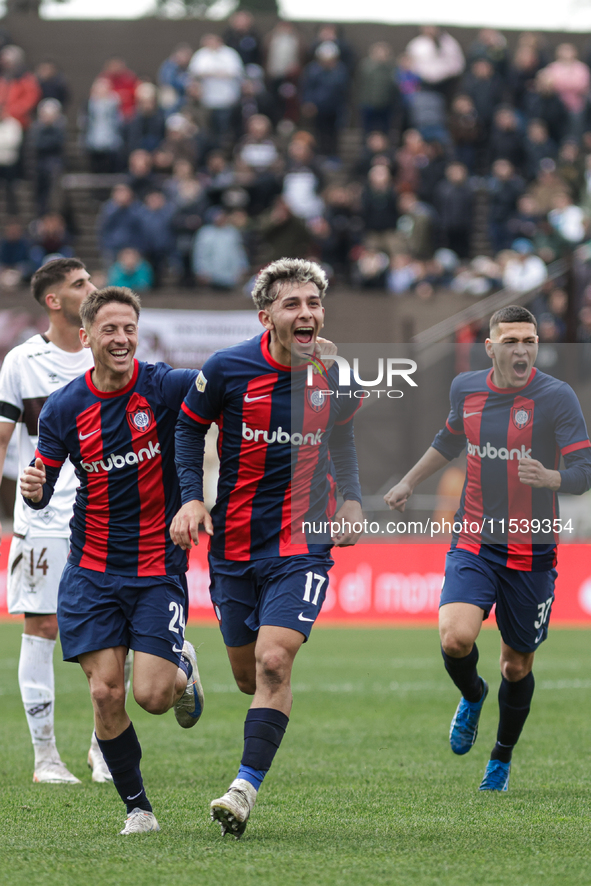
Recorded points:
(29, 374)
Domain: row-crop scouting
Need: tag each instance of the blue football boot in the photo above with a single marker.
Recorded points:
(464, 726)
(496, 776)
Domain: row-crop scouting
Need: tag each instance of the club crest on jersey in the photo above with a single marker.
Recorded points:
(200, 382)
(316, 398)
(521, 417)
(141, 419)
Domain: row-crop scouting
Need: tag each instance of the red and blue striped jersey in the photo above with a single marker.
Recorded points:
(502, 519)
(278, 442)
(121, 444)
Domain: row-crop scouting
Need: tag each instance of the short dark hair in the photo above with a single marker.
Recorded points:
(52, 273)
(513, 314)
(100, 297)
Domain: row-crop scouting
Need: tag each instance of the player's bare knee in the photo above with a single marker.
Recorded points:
(456, 645)
(154, 701)
(513, 671)
(246, 683)
(273, 665)
(44, 626)
(245, 679)
(107, 697)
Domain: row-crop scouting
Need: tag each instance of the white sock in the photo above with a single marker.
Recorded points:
(36, 681)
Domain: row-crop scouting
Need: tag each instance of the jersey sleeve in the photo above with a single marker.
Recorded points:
(11, 401)
(204, 400)
(175, 384)
(572, 439)
(451, 440)
(570, 429)
(202, 405)
(52, 452)
(344, 457)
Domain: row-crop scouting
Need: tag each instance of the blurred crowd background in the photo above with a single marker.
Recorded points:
(441, 166)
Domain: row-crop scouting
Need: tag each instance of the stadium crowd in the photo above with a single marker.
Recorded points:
(231, 157)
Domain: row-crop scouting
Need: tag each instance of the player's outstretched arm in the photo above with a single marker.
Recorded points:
(349, 515)
(33, 480)
(431, 462)
(184, 529)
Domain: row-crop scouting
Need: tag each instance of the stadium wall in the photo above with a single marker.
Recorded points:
(387, 585)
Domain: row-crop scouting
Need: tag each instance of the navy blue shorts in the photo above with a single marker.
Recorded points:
(524, 599)
(286, 592)
(97, 610)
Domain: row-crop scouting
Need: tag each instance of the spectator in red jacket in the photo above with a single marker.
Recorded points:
(19, 89)
(123, 81)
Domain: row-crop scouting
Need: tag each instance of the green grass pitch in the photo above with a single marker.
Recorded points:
(364, 790)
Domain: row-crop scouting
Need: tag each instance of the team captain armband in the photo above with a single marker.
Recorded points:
(9, 411)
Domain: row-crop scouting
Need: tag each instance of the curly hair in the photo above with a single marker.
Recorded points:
(271, 279)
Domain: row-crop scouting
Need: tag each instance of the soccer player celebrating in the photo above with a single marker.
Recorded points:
(268, 575)
(30, 373)
(513, 421)
(124, 584)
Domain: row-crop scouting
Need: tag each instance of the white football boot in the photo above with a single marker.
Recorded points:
(49, 768)
(189, 707)
(234, 808)
(139, 821)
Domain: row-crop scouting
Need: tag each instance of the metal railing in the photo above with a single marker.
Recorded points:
(484, 308)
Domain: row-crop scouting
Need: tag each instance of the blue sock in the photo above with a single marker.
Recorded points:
(254, 776)
(122, 756)
(263, 730)
(186, 666)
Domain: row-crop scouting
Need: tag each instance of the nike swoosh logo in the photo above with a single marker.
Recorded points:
(248, 399)
(176, 649)
(198, 711)
(84, 436)
(302, 617)
(468, 414)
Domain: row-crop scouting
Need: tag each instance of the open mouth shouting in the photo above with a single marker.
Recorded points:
(521, 369)
(304, 335)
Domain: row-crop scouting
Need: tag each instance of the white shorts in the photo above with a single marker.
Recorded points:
(35, 566)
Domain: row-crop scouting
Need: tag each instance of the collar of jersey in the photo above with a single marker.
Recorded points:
(265, 339)
(105, 395)
(509, 390)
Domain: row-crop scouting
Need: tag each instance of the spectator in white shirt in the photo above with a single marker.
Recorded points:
(568, 220)
(220, 72)
(11, 136)
(525, 271)
(436, 57)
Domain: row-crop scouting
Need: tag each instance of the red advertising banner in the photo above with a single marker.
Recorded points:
(401, 584)
(388, 584)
